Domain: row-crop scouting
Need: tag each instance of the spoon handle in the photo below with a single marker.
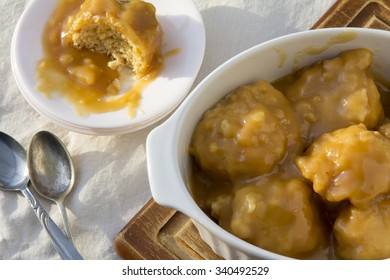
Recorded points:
(62, 244)
(65, 220)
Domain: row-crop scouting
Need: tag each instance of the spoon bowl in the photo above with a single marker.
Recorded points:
(13, 168)
(51, 171)
(14, 177)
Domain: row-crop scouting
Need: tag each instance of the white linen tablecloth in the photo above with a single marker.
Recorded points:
(111, 177)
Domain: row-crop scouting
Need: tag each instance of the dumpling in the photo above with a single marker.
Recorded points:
(247, 133)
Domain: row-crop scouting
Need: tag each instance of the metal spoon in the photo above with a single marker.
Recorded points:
(51, 171)
(14, 177)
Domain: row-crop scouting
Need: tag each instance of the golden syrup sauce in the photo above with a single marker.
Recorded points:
(172, 52)
(282, 56)
(341, 38)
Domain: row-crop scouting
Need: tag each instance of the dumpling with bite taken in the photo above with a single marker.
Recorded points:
(128, 31)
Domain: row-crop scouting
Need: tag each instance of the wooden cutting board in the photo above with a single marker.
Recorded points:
(157, 232)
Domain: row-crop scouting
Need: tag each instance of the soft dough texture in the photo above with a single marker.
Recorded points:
(129, 32)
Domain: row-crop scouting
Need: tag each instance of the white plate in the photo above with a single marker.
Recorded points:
(183, 29)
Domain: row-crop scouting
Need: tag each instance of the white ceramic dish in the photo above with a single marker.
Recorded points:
(167, 144)
(183, 29)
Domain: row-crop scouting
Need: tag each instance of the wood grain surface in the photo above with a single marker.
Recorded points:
(357, 13)
(157, 232)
